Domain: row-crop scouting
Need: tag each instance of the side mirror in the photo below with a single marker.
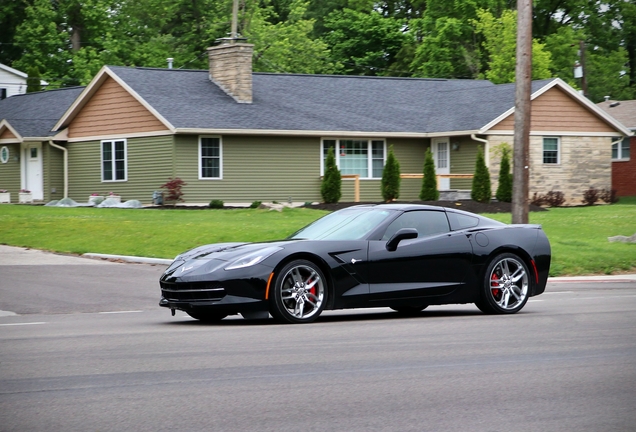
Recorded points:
(401, 234)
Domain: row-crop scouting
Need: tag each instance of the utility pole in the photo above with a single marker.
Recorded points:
(234, 29)
(523, 92)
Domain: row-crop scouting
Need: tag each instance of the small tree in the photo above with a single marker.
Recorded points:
(481, 181)
(33, 80)
(429, 190)
(504, 189)
(331, 182)
(173, 188)
(391, 178)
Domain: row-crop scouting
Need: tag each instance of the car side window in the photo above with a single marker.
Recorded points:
(426, 222)
(461, 221)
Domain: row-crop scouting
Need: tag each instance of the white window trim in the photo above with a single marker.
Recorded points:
(101, 157)
(619, 146)
(369, 154)
(558, 162)
(200, 167)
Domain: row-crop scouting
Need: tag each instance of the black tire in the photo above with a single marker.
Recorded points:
(505, 286)
(409, 310)
(299, 293)
(207, 316)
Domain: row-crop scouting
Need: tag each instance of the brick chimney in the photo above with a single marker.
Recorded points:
(231, 69)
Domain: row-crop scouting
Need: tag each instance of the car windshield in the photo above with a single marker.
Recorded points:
(353, 223)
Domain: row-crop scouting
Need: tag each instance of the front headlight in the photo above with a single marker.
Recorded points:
(253, 258)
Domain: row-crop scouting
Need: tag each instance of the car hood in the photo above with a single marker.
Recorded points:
(211, 257)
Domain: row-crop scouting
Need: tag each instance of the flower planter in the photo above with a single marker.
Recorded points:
(25, 197)
(95, 199)
(5, 197)
(114, 197)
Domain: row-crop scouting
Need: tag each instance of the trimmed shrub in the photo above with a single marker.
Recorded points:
(608, 196)
(429, 190)
(504, 189)
(331, 182)
(481, 191)
(590, 196)
(216, 204)
(391, 178)
(551, 199)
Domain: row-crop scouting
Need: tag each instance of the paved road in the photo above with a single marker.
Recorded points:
(110, 359)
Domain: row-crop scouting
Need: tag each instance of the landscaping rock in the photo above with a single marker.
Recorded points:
(622, 239)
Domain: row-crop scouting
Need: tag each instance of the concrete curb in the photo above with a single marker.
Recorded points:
(131, 259)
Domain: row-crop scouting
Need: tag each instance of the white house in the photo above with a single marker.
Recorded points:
(13, 81)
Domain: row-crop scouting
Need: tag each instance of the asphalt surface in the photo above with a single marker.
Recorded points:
(84, 347)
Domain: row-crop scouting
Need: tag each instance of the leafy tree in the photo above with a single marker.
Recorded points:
(363, 43)
(481, 191)
(429, 190)
(391, 178)
(33, 80)
(287, 46)
(504, 189)
(500, 42)
(331, 182)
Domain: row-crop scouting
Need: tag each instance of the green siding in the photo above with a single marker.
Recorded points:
(10, 172)
(463, 162)
(254, 168)
(149, 166)
(53, 167)
(410, 153)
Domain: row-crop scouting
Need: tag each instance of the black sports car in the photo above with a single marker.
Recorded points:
(401, 256)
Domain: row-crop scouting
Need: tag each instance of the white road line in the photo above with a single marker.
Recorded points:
(120, 312)
(21, 324)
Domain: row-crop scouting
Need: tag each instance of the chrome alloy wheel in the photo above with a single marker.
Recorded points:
(302, 291)
(509, 283)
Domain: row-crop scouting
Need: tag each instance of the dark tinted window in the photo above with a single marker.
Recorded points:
(461, 221)
(426, 223)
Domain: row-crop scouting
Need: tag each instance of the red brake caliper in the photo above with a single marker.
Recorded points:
(312, 290)
(494, 286)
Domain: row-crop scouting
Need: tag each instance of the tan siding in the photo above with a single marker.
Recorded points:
(7, 134)
(112, 110)
(557, 111)
(150, 164)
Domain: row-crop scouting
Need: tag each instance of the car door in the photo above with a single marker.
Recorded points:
(435, 263)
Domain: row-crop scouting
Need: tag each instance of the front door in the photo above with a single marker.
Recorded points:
(33, 167)
(441, 156)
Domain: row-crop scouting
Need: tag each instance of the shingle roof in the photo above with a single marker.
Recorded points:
(623, 111)
(188, 99)
(35, 114)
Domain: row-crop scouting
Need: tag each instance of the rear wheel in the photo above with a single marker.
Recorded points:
(207, 316)
(505, 286)
(300, 293)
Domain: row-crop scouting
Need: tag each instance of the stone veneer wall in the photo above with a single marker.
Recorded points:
(231, 69)
(585, 162)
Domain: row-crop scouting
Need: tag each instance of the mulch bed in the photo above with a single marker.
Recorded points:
(466, 205)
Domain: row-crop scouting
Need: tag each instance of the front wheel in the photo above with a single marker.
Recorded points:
(300, 293)
(505, 285)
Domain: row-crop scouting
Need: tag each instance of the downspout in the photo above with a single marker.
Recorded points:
(486, 150)
(65, 151)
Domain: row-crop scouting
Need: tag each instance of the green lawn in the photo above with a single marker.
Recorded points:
(578, 235)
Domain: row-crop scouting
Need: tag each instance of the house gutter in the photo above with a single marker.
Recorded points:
(486, 152)
(65, 151)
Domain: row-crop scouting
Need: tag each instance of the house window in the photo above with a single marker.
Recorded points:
(210, 158)
(114, 162)
(551, 150)
(362, 157)
(3, 93)
(620, 150)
